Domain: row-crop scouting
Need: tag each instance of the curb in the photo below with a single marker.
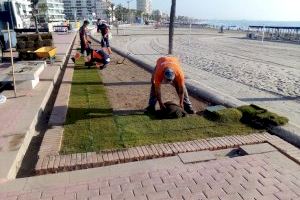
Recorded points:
(61, 163)
(289, 132)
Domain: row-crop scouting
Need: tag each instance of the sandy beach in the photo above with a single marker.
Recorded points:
(266, 73)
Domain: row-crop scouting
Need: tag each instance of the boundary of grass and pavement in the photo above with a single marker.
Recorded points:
(288, 132)
(71, 162)
(51, 161)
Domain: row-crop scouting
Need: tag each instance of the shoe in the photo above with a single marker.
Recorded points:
(88, 64)
(73, 59)
(189, 110)
(150, 110)
(102, 67)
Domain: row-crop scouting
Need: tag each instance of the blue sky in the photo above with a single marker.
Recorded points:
(272, 10)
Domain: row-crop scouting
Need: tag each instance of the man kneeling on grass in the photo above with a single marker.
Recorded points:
(97, 57)
(168, 70)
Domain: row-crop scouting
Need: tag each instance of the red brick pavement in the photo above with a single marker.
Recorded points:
(259, 176)
(60, 163)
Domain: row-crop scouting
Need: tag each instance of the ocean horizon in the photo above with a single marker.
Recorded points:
(244, 24)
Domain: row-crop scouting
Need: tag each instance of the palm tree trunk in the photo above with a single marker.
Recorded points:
(171, 26)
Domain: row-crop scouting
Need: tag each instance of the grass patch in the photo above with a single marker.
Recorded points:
(138, 130)
(261, 117)
(91, 125)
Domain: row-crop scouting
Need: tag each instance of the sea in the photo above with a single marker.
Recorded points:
(244, 24)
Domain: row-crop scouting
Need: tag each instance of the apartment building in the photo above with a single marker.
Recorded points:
(144, 5)
(86, 9)
(51, 11)
(16, 12)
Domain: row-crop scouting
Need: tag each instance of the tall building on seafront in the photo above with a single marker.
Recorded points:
(51, 11)
(86, 9)
(144, 5)
(16, 12)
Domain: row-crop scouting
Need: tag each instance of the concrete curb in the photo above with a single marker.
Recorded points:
(289, 132)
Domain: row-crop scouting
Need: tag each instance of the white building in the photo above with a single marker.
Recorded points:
(86, 9)
(16, 10)
(51, 11)
(144, 5)
(101, 7)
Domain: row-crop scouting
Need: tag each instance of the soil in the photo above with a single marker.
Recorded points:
(128, 87)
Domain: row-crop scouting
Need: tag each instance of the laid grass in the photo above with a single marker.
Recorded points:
(91, 125)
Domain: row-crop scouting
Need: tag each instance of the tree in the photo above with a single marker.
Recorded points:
(120, 11)
(34, 11)
(43, 8)
(171, 26)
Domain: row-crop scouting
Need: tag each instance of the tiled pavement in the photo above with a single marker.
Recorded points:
(260, 176)
(61, 163)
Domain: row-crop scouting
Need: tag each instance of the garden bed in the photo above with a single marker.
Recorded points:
(106, 112)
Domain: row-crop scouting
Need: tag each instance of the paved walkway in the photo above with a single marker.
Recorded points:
(19, 116)
(266, 75)
(260, 176)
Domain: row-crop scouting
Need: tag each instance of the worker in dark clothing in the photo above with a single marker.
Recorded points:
(104, 29)
(84, 42)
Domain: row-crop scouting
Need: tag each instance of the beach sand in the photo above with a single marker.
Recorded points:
(264, 73)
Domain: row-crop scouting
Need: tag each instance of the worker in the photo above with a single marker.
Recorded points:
(104, 29)
(97, 57)
(168, 70)
(84, 41)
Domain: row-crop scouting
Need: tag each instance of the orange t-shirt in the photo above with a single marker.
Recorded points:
(168, 62)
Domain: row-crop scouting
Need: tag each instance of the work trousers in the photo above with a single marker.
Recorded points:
(153, 99)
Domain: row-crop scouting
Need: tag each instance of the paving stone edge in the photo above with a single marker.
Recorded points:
(62, 163)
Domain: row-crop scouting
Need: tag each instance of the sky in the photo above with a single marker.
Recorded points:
(267, 10)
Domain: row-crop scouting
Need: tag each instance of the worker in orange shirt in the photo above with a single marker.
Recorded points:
(98, 57)
(168, 70)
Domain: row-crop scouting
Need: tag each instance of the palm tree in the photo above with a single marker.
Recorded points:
(171, 26)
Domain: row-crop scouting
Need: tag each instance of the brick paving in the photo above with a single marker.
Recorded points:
(260, 176)
(61, 163)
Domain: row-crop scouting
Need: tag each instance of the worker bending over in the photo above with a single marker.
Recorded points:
(168, 70)
(97, 57)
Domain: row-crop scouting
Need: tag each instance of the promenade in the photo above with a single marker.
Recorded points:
(258, 167)
(19, 116)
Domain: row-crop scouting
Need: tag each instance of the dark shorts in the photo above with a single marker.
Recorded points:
(105, 42)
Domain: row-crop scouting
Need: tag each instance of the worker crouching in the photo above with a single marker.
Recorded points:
(168, 70)
(97, 57)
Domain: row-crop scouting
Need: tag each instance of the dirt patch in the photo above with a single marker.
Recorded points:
(128, 87)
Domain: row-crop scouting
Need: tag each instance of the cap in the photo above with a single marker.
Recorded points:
(169, 74)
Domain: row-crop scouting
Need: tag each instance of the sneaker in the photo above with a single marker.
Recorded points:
(150, 110)
(73, 59)
(102, 67)
(189, 110)
(89, 64)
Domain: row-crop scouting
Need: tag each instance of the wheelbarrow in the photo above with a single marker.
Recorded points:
(46, 52)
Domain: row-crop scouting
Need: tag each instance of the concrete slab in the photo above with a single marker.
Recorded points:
(257, 148)
(24, 70)
(215, 108)
(193, 157)
(26, 74)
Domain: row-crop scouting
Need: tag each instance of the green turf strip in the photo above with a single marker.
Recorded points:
(91, 125)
